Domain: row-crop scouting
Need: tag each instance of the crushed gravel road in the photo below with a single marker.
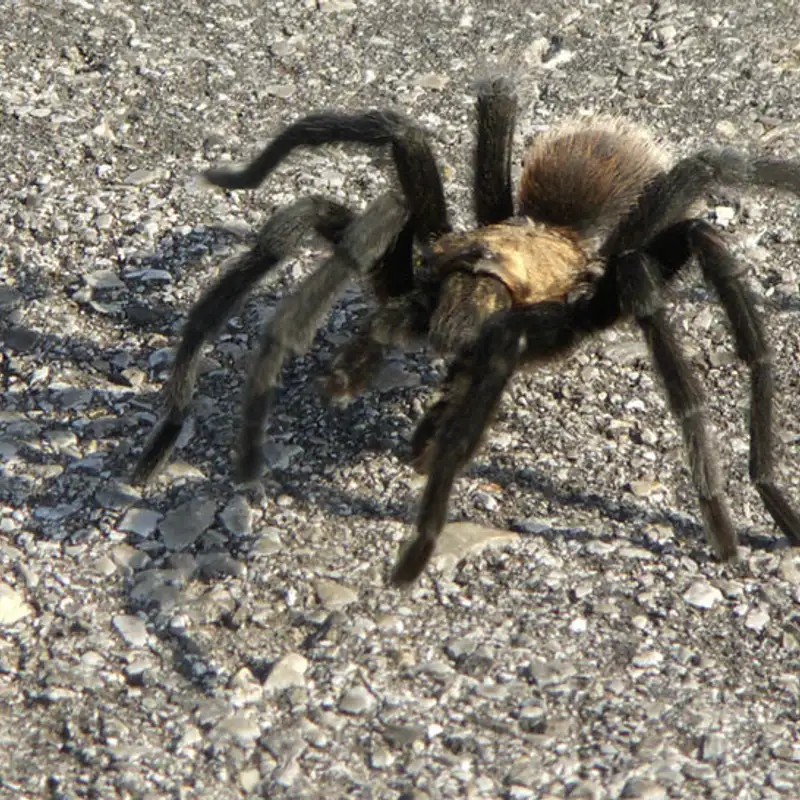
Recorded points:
(573, 639)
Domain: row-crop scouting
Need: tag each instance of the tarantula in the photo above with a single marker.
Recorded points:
(602, 223)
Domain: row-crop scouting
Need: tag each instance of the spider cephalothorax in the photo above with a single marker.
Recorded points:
(602, 224)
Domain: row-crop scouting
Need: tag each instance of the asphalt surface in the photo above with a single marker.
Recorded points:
(195, 640)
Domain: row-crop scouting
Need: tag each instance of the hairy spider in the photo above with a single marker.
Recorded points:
(602, 224)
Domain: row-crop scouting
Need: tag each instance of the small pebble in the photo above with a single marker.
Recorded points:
(334, 595)
(185, 524)
(13, 607)
(288, 671)
(237, 516)
(132, 629)
(141, 521)
(713, 747)
(702, 595)
(648, 658)
(357, 701)
(757, 619)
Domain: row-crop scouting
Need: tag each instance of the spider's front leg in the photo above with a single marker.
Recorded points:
(401, 322)
(451, 431)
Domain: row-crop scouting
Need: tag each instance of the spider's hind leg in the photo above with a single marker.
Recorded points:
(639, 277)
(291, 330)
(277, 238)
(722, 271)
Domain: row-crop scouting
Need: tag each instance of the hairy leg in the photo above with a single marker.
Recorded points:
(291, 330)
(667, 199)
(276, 240)
(497, 112)
(414, 160)
(722, 271)
(640, 279)
(452, 429)
(466, 301)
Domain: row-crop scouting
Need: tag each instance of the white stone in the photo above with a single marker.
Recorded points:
(141, 521)
(13, 607)
(132, 629)
(237, 516)
(702, 595)
(288, 671)
(757, 619)
(357, 701)
(459, 539)
(578, 625)
(648, 658)
(333, 595)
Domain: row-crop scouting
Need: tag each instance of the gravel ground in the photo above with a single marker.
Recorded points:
(573, 639)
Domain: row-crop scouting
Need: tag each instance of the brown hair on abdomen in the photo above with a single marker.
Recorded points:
(586, 174)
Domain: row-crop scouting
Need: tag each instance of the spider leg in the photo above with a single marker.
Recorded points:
(292, 328)
(414, 160)
(402, 321)
(393, 275)
(497, 111)
(474, 387)
(276, 239)
(669, 197)
(452, 429)
(639, 279)
(722, 271)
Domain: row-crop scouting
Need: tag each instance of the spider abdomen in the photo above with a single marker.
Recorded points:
(586, 174)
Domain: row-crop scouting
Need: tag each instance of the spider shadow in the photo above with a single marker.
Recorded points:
(623, 510)
(689, 288)
(628, 512)
(354, 438)
(94, 404)
(111, 308)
